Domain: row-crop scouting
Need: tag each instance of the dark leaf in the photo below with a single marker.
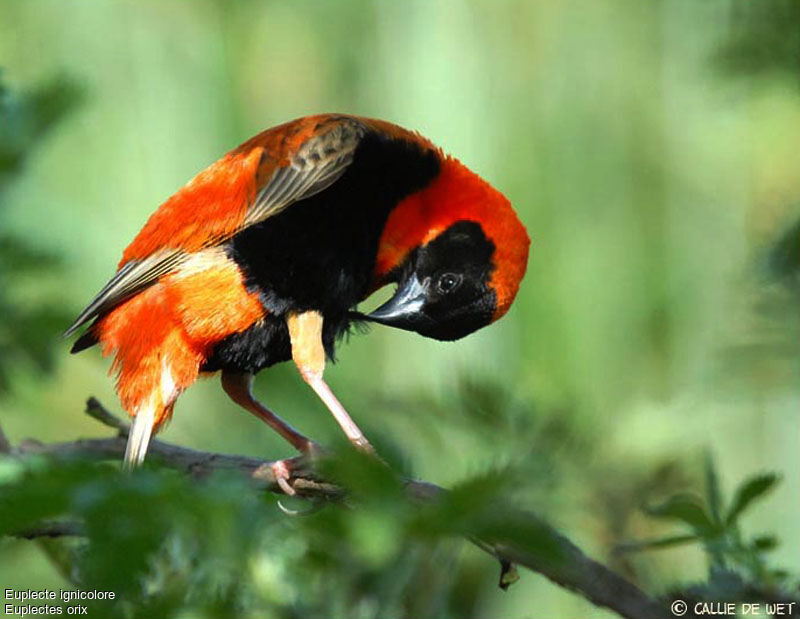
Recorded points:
(18, 257)
(784, 256)
(713, 492)
(748, 492)
(42, 492)
(28, 117)
(764, 543)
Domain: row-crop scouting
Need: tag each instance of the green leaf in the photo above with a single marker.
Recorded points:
(748, 492)
(20, 257)
(688, 509)
(779, 574)
(653, 544)
(44, 491)
(28, 117)
(520, 534)
(713, 493)
(469, 504)
(764, 543)
(783, 261)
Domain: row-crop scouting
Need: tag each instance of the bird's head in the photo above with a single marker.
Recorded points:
(457, 252)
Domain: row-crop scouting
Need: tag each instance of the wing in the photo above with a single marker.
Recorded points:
(317, 164)
(134, 276)
(256, 181)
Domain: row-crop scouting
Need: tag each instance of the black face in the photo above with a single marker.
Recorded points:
(443, 288)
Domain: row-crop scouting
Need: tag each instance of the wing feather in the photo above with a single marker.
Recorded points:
(318, 162)
(133, 277)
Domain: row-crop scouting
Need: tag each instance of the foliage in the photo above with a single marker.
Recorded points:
(783, 260)
(738, 566)
(763, 41)
(29, 321)
(218, 548)
(650, 149)
(28, 118)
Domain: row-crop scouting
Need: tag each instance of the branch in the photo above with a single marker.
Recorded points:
(571, 569)
(60, 528)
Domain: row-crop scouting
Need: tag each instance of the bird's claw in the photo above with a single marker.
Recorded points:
(281, 470)
(283, 474)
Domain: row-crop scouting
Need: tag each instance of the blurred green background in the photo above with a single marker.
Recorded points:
(651, 149)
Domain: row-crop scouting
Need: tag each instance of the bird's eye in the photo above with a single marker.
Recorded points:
(448, 282)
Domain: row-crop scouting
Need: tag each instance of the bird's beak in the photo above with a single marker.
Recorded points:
(403, 310)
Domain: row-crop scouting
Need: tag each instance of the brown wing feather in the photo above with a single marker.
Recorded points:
(133, 277)
(317, 164)
(311, 154)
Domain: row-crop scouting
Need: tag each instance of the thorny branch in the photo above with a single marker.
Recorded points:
(572, 570)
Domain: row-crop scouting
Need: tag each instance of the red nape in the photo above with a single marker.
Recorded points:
(458, 194)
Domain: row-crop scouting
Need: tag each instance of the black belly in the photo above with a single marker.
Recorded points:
(267, 343)
(319, 254)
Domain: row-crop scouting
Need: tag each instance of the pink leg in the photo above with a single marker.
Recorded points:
(339, 413)
(238, 388)
(308, 354)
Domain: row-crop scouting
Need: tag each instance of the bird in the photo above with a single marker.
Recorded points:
(264, 256)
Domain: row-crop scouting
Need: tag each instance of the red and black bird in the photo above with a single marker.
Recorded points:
(263, 256)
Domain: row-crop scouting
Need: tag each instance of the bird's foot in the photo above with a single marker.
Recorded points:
(282, 470)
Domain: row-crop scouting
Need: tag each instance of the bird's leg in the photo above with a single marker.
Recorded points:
(308, 353)
(239, 389)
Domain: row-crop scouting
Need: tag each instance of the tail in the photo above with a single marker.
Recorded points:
(154, 362)
(160, 338)
(139, 438)
(87, 340)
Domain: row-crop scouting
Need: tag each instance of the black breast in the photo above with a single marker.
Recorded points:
(319, 254)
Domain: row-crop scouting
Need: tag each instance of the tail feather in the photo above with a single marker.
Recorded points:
(139, 437)
(161, 336)
(87, 340)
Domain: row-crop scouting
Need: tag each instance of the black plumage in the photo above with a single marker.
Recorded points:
(320, 254)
